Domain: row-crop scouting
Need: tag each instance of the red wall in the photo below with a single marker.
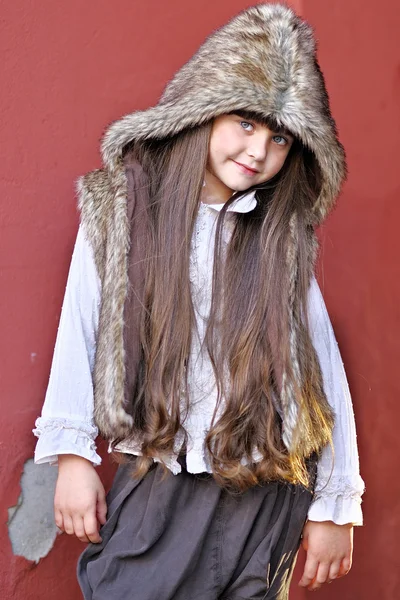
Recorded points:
(359, 52)
(68, 69)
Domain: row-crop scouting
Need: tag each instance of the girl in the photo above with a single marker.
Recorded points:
(195, 339)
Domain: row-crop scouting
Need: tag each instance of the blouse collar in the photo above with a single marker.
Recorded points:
(243, 204)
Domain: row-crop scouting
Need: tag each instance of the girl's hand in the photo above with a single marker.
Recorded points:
(329, 549)
(79, 501)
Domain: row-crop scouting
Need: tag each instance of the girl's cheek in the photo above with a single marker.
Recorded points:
(274, 165)
(229, 142)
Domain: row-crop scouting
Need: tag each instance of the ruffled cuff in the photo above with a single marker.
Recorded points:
(64, 436)
(340, 510)
(339, 501)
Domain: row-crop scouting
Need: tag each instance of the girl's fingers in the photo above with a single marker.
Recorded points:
(58, 518)
(321, 578)
(345, 567)
(79, 529)
(334, 571)
(310, 571)
(101, 508)
(316, 574)
(91, 528)
(68, 524)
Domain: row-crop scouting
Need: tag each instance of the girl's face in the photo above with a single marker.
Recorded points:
(242, 153)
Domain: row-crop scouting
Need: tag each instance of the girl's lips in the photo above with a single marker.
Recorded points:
(245, 170)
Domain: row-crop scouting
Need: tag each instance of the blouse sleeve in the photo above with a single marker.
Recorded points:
(66, 425)
(339, 486)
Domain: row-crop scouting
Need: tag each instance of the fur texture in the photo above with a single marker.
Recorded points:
(263, 60)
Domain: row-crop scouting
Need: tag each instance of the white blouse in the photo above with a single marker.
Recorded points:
(66, 425)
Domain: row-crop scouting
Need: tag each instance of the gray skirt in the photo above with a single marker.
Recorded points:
(182, 537)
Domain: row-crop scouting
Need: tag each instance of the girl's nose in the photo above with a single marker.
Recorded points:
(258, 148)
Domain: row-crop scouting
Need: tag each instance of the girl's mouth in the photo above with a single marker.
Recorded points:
(245, 169)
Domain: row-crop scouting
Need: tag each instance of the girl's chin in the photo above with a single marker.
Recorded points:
(239, 185)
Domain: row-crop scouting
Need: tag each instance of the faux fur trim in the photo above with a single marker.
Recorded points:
(263, 60)
(102, 201)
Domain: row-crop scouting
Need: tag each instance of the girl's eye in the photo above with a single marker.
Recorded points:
(246, 125)
(279, 139)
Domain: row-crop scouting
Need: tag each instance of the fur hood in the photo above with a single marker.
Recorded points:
(263, 60)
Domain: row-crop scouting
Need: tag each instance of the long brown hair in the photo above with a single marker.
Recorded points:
(248, 332)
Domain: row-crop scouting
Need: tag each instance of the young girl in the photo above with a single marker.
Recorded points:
(194, 337)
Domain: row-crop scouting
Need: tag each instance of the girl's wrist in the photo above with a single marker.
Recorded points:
(72, 458)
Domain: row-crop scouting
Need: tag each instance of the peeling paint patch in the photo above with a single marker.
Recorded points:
(31, 525)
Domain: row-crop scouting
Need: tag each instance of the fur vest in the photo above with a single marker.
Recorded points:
(264, 61)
